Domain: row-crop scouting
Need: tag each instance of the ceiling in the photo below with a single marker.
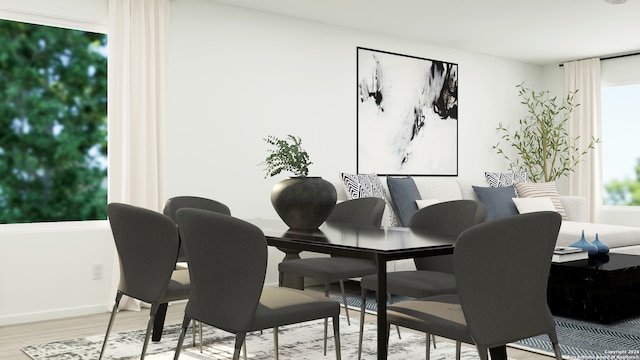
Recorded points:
(533, 31)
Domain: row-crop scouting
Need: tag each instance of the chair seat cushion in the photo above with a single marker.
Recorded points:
(438, 315)
(179, 285)
(328, 268)
(283, 306)
(420, 283)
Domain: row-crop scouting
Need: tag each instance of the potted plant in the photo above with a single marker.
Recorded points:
(302, 202)
(544, 148)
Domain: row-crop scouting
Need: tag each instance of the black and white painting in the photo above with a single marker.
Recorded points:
(407, 115)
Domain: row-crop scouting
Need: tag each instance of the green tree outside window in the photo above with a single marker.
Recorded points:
(53, 124)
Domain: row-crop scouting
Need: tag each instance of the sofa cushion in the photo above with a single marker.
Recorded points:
(497, 179)
(547, 189)
(404, 193)
(367, 185)
(426, 202)
(527, 205)
(497, 200)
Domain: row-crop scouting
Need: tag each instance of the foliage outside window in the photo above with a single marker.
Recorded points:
(53, 124)
(620, 152)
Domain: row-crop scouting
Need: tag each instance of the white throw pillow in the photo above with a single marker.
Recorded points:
(426, 202)
(527, 205)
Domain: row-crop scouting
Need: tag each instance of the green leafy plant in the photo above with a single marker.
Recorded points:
(286, 155)
(544, 148)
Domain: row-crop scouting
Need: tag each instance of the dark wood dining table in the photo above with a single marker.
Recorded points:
(381, 245)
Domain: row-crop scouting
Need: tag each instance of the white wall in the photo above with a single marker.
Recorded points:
(236, 76)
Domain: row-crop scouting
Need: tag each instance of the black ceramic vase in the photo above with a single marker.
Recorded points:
(303, 203)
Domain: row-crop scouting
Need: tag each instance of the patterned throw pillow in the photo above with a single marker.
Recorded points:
(548, 189)
(496, 179)
(367, 185)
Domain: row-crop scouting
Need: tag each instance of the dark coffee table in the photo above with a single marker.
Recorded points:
(599, 289)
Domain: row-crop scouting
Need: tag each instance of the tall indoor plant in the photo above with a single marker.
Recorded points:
(544, 148)
(302, 202)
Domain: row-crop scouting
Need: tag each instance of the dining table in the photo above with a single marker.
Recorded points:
(379, 244)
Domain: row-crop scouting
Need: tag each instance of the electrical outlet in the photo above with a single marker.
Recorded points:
(97, 271)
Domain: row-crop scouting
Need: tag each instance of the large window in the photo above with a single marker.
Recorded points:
(620, 144)
(53, 124)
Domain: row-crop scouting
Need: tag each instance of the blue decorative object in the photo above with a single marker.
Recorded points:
(585, 245)
(602, 247)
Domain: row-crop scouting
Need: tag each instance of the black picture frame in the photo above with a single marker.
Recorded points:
(407, 115)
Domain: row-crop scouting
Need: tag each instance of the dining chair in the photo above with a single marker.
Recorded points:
(434, 275)
(501, 273)
(366, 212)
(227, 263)
(173, 204)
(147, 245)
(171, 207)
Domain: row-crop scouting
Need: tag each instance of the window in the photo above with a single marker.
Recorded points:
(53, 123)
(620, 150)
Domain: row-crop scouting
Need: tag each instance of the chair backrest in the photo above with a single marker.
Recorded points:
(502, 267)
(147, 245)
(366, 211)
(227, 267)
(172, 205)
(446, 218)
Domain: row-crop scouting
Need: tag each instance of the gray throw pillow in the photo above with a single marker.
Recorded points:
(404, 194)
(497, 200)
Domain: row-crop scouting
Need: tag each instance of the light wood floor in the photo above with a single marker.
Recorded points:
(15, 337)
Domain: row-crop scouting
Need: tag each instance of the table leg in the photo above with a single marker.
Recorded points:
(158, 322)
(499, 353)
(289, 280)
(381, 299)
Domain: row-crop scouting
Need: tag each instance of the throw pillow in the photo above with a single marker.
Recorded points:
(548, 189)
(527, 205)
(426, 202)
(496, 179)
(367, 185)
(497, 200)
(404, 194)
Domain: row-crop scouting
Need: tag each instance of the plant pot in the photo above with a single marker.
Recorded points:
(303, 203)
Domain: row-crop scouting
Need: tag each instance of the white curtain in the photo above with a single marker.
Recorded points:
(137, 65)
(584, 76)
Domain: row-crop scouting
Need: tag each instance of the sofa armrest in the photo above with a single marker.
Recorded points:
(575, 207)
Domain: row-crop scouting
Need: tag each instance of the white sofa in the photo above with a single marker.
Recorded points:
(623, 239)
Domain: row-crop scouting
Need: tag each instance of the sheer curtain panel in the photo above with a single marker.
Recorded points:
(584, 76)
(137, 86)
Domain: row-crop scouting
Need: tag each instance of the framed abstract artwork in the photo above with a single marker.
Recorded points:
(407, 116)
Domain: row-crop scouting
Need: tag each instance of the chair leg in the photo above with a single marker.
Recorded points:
(183, 333)
(363, 299)
(428, 347)
(459, 349)
(111, 319)
(482, 352)
(390, 300)
(336, 336)
(327, 285)
(344, 298)
(554, 342)
(147, 335)
(275, 342)
(238, 345)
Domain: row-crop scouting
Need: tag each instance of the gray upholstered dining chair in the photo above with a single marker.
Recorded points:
(366, 212)
(147, 245)
(501, 272)
(227, 263)
(171, 207)
(173, 204)
(434, 275)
